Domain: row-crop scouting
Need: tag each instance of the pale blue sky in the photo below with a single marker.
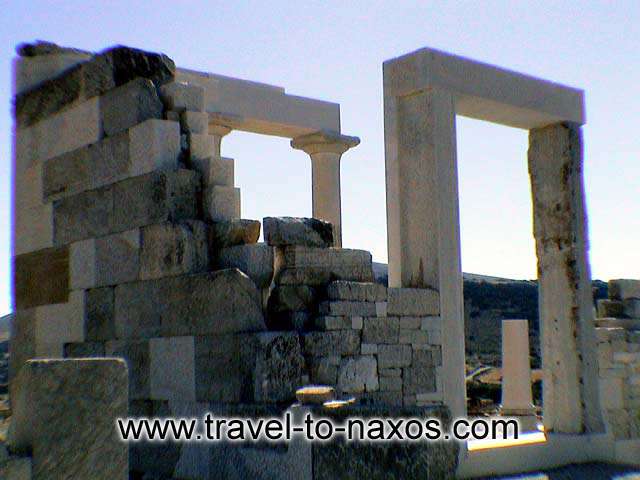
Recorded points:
(334, 51)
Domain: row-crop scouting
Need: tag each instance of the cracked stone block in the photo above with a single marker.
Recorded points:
(74, 438)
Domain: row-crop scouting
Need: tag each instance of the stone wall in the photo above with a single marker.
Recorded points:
(129, 244)
(619, 357)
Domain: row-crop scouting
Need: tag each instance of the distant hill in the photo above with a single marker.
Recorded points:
(489, 300)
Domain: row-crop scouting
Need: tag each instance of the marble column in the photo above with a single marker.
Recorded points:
(516, 374)
(325, 149)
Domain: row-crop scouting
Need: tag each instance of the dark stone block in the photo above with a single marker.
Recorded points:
(84, 350)
(307, 232)
(99, 314)
(42, 277)
(81, 216)
(320, 344)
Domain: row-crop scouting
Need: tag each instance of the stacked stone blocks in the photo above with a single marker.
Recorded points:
(618, 334)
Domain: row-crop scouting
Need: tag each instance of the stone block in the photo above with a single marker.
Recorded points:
(103, 72)
(390, 384)
(33, 228)
(16, 468)
(358, 374)
(222, 203)
(84, 215)
(356, 291)
(631, 307)
(255, 260)
(220, 302)
(324, 370)
(419, 380)
(413, 302)
(99, 322)
(136, 355)
(170, 249)
(611, 392)
(410, 323)
(347, 308)
(66, 131)
(389, 372)
(322, 344)
(288, 298)
(300, 321)
(380, 330)
(41, 277)
(610, 308)
(144, 148)
(319, 266)
(58, 324)
(394, 356)
(368, 348)
(194, 122)
(104, 261)
(221, 172)
(202, 148)
(172, 369)
(128, 105)
(74, 438)
(307, 232)
(333, 323)
(180, 96)
(381, 309)
(233, 232)
(414, 337)
(155, 198)
(31, 71)
(22, 345)
(357, 323)
(278, 366)
(622, 289)
(84, 350)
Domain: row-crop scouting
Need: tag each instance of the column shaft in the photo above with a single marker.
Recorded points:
(325, 168)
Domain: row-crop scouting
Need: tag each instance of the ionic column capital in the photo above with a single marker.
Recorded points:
(324, 141)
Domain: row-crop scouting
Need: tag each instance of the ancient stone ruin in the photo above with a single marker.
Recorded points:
(140, 290)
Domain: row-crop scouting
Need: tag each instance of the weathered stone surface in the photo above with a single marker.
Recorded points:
(610, 308)
(621, 289)
(172, 369)
(41, 277)
(105, 71)
(155, 198)
(85, 215)
(358, 374)
(84, 350)
(170, 249)
(380, 330)
(394, 356)
(357, 291)
(149, 146)
(413, 302)
(631, 307)
(255, 260)
(128, 105)
(324, 370)
(41, 47)
(74, 438)
(226, 301)
(321, 344)
(300, 321)
(136, 354)
(286, 298)
(421, 376)
(222, 203)
(22, 345)
(16, 468)
(194, 122)
(99, 324)
(233, 232)
(109, 260)
(333, 323)
(319, 266)
(348, 308)
(308, 232)
(180, 96)
(385, 460)
(279, 366)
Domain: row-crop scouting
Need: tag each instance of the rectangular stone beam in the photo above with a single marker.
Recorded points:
(484, 91)
(260, 108)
